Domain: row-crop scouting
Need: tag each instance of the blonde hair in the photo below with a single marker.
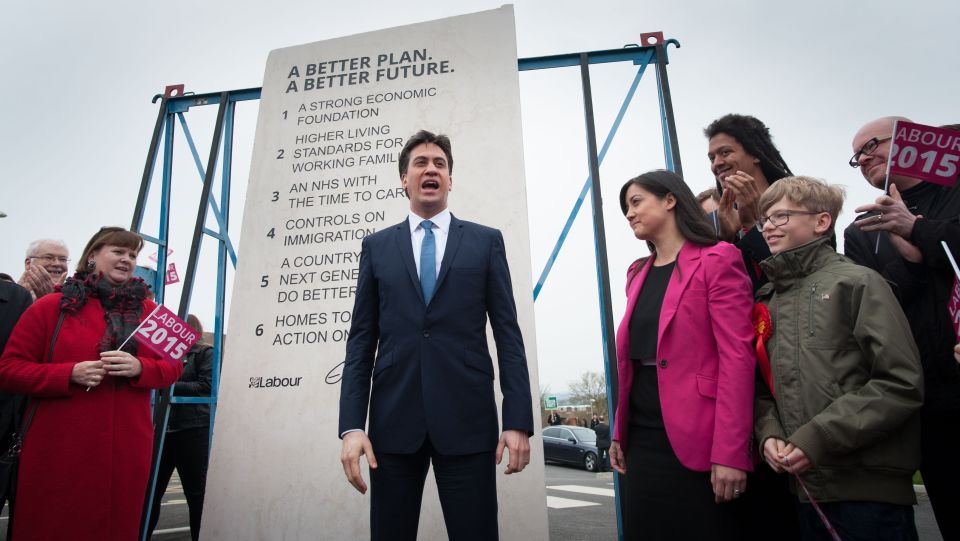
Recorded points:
(810, 193)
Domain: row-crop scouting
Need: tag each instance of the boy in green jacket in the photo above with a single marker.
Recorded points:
(843, 381)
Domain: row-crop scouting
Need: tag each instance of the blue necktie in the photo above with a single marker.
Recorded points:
(428, 261)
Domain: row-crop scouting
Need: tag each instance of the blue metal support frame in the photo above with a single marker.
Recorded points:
(213, 201)
(171, 110)
(171, 107)
(600, 250)
(643, 62)
(641, 56)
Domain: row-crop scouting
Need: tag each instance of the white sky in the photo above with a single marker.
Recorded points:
(78, 79)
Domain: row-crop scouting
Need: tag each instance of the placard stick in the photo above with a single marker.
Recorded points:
(134, 332)
(953, 262)
(138, 326)
(886, 180)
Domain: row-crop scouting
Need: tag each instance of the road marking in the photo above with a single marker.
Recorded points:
(172, 530)
(609, 492)
(554, 502)
(174, 502)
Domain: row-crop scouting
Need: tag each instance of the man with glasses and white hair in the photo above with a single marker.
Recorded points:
(911, 221)
(45, 266)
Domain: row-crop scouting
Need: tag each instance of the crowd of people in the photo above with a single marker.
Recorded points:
(75, 396)
(766, 382)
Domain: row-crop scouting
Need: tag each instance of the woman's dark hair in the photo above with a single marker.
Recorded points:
(691, 220)
(754, 136)
(194, 322)
(108, 235)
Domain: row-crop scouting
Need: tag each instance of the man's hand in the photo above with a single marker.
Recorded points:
(795, 460)
(355, 444)
(37, 281)
(894, 216)
(728, 217)
(728, 483)
(617, 460)
(747, 195)
(518, 444)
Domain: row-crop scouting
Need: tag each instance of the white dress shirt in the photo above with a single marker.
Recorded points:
(441, 230)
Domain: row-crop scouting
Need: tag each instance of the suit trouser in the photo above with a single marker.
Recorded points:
(467, 486)
(940, 437)
(604, 457)
(768, 506)
(188, 452)
(858, 521)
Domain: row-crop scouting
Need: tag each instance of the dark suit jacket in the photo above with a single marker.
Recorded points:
(14, 301)
(603, 434)
(433, 374)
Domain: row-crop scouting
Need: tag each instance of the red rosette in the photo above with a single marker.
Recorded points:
(762, 330)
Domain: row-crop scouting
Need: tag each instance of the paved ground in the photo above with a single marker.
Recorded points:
(580, 507)
(174, 521)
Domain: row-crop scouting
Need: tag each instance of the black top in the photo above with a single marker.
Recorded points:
(195, 380)
(924, 288)
(645, 320)
(14, 301)
(603, 434)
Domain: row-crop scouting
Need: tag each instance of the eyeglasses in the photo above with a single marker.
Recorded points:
(782, 217)
(868, 148)
(51, 258)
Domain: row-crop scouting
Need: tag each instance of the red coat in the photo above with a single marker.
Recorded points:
(86, 458)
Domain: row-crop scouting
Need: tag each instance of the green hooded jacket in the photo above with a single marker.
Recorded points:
(846, 375)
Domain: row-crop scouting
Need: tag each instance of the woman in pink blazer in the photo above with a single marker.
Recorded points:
(686, 365)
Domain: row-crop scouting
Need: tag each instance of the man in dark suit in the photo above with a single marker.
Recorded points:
(14, 301)
(603, 442)
(425, 289)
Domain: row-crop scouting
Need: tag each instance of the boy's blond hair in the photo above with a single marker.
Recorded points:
(810, 193)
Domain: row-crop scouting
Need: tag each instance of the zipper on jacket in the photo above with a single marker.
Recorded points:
(813, 292)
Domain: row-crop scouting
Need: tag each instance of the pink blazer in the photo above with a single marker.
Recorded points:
(705, 358)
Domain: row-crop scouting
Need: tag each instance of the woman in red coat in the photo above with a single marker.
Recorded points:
(86, 453)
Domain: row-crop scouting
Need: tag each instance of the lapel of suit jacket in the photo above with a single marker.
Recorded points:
(688, 260)
(450, 251)
(405, 245)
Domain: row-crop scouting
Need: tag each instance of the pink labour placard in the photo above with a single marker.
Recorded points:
(925, 152)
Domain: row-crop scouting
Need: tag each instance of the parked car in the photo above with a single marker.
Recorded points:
(571, 445)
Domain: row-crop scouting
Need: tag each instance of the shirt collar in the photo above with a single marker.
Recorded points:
(441, 220)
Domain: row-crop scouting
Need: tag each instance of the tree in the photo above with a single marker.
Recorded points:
(591, 388)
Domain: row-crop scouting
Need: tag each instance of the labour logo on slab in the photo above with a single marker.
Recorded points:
(165, 334)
